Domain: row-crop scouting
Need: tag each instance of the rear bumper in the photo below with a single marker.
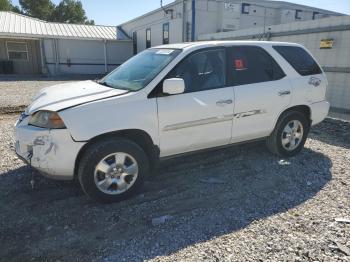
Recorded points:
(51, 152)
(319, 111)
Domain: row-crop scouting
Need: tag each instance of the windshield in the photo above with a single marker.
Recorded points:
(140, 70)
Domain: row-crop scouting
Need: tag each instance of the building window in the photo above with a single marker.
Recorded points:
(17, 50)
(148, 38)
(134, 42)
(245, 8)
(314, 15)
(298, 14)
(166, 34)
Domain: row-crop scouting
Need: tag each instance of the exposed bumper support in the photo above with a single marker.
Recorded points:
(52, 152)
(319, 111)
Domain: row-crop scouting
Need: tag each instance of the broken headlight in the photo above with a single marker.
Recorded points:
(46, 119)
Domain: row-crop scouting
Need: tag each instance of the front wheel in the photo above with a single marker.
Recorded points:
(289, 135)
(113, 170)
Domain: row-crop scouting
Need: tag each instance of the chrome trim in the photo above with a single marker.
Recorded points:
(201, 122)
(212, 120)
(250, 113)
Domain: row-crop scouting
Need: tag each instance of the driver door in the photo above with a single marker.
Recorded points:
(201, 117)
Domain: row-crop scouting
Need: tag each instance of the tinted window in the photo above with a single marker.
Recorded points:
(251, 64)
(201, 71)
(299, 59)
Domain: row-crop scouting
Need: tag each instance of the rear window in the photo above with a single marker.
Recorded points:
(299, 59)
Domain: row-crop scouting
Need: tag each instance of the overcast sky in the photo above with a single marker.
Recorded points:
(115, 12)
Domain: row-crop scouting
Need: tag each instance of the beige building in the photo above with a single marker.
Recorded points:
(23, 53)
(33, 46)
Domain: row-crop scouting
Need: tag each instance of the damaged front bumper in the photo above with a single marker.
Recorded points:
(51, 151)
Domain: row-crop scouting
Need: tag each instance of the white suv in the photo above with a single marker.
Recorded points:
(171, 100)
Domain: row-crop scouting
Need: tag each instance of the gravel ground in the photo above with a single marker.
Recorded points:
(17, 92)
(236, 204)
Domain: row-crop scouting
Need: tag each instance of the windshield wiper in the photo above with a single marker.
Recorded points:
(104, 83)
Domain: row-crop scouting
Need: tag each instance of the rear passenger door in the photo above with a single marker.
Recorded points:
(262, 92)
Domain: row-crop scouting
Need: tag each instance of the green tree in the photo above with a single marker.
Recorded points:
(41, 9)
(70, 11)
(16, 9)
(5, 5)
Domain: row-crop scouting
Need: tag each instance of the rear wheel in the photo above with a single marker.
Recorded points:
(113, 170)
(289, 135)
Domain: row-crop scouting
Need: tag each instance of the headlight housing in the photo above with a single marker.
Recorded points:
(46, 119)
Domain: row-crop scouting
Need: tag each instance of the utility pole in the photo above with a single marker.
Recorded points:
(193, 30)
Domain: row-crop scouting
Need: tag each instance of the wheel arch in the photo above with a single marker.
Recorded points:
(138, 136)
(304, 109)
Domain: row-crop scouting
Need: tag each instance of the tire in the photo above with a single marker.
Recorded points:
(277, 141)
(99, 165)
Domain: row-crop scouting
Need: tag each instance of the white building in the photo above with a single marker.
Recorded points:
(185, 20)
(33, 46)
(327, 39)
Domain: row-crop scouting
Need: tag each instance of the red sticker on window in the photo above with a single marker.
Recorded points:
(239, 64)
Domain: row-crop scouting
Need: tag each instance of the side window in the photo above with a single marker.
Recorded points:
(201, 71)
(299, 59)
(252, 64)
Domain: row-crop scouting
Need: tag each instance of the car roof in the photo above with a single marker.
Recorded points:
(205, 44)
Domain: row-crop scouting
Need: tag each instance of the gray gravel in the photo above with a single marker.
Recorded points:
(262, 209)
(17, 92)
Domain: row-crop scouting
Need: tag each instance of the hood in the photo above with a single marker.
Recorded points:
(58, 97)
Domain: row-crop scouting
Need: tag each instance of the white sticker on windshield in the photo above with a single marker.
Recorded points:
(164, 52)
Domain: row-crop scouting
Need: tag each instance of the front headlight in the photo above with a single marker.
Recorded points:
(46, 119)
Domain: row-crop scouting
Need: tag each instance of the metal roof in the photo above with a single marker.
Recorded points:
(17, 25)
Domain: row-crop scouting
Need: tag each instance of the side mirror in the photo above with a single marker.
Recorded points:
(173, 86)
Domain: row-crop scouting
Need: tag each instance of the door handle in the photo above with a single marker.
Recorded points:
(224, 102)
(284, 93)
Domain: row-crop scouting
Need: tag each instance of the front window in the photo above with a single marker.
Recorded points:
(139, 71)
(202, 71)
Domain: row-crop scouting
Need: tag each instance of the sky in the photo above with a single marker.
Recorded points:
(115, 12)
